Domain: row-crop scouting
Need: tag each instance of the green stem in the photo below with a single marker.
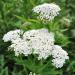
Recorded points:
(41, 69)
(24, 66)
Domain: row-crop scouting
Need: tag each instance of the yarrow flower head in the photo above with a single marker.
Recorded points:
(39, 42)
(47, 11)
(12, 35)
(59, 56)
(20, 47)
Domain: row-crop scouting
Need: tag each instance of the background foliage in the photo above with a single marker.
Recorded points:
(17, 14)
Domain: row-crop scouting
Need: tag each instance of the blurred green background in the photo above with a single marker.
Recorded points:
(15, 14)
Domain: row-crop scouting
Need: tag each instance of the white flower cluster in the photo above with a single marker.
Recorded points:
(47, 11)
(39, 42)
(59, 56)
(20, 47)
(12, 35)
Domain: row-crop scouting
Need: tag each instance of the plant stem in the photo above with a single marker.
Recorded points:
(44, 67)
(24, 66)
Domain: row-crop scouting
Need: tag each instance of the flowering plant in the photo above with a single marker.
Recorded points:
(39, 45)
